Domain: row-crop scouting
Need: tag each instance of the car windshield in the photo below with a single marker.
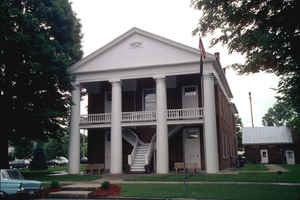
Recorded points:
(15, 174)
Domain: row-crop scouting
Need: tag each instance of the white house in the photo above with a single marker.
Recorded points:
(147, 107)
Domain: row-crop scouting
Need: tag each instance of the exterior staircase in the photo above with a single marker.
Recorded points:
(138, 164)
(142, 152)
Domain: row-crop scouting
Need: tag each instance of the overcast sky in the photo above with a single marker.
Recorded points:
(104, 20)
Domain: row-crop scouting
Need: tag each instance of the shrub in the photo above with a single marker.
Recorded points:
(39, 160)
(54, 184)
(105, 185)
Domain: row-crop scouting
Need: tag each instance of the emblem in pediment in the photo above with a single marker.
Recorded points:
(135, 45)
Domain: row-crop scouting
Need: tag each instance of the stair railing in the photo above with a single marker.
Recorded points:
(149, 152)
(131, 157)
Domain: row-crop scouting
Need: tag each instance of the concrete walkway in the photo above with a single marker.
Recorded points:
(275, 168)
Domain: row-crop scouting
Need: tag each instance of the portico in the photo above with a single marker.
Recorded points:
(146, 90)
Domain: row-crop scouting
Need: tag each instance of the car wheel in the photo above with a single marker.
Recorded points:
(3, 195)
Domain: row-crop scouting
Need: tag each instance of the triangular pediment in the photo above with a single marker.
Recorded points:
(136, 48)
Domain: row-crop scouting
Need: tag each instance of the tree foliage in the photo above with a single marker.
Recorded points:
(57, 147)
(267, 32)
(279, 115)
(23, 148)
(39, 161)
(238, 130)
(39, 40)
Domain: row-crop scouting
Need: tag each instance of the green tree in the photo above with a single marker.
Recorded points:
(23, 148)
(39, 160)
(57, 147)
(39, 40)
(279, 114)
(238, 129)
(266, 32)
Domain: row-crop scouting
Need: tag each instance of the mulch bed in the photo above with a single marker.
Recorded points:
(45, 192)
(113, 190)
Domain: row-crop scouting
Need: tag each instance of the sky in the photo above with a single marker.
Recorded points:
(104, 20)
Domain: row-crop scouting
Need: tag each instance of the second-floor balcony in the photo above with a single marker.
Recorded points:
(174, 116)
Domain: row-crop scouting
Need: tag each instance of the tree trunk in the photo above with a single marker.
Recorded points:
(4, 150)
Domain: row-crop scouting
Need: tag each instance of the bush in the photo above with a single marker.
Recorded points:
(105, 185)
(54, 184)
(39, 161)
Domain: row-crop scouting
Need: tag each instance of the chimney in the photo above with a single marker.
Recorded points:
(217, 55)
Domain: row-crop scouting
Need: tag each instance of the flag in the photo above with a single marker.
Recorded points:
(201, 67)
(203, 55)
(201, 47)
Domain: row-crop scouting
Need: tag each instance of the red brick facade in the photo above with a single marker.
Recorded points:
(276, 152)
(227, 139)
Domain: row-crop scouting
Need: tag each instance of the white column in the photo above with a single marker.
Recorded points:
(210, 125)
(116, 130)
(74, 143)
(162, 145)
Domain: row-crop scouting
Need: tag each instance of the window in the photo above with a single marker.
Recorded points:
(223, 145)
(290, 154)
(149, 99)
(264, 154)
(190, 91)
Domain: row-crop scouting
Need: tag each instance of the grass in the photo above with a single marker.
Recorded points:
(292, 176)
(212, 191)
(253, 167)
(47, 175)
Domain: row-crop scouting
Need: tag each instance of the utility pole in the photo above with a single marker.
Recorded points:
(251, 109)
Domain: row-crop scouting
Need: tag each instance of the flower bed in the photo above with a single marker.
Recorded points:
(111, 191)
(45, 192)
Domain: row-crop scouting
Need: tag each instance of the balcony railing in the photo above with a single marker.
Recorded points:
(186, 113)
(144, 116)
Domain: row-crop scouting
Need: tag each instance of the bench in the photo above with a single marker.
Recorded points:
(180, 166)
(94, 169)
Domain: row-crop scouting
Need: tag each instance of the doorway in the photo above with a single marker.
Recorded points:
(264, 156)
(191, 139)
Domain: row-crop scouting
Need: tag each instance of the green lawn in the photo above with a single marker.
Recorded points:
(212, 191)
(293, 176)
(46, 175)
(253, 167)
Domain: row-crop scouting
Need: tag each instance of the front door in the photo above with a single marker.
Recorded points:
(290, 157)
(264, 156)
(192, 147)
(190, 97)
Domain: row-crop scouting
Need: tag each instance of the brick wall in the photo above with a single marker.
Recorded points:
(276, 152)
(227, 139)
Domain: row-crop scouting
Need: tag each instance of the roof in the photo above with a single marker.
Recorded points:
(134, 30)
(267, 135)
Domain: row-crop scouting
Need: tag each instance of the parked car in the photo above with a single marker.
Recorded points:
(58, 161)
(19, 163)
(83, 160)
(9, 188)
(27, 187)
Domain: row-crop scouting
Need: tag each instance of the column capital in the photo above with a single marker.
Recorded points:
(157, 77)
(115, 80)
(75, 84)
(209, 76)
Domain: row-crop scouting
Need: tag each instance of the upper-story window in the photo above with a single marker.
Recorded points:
(190, 91)
(149, 99)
